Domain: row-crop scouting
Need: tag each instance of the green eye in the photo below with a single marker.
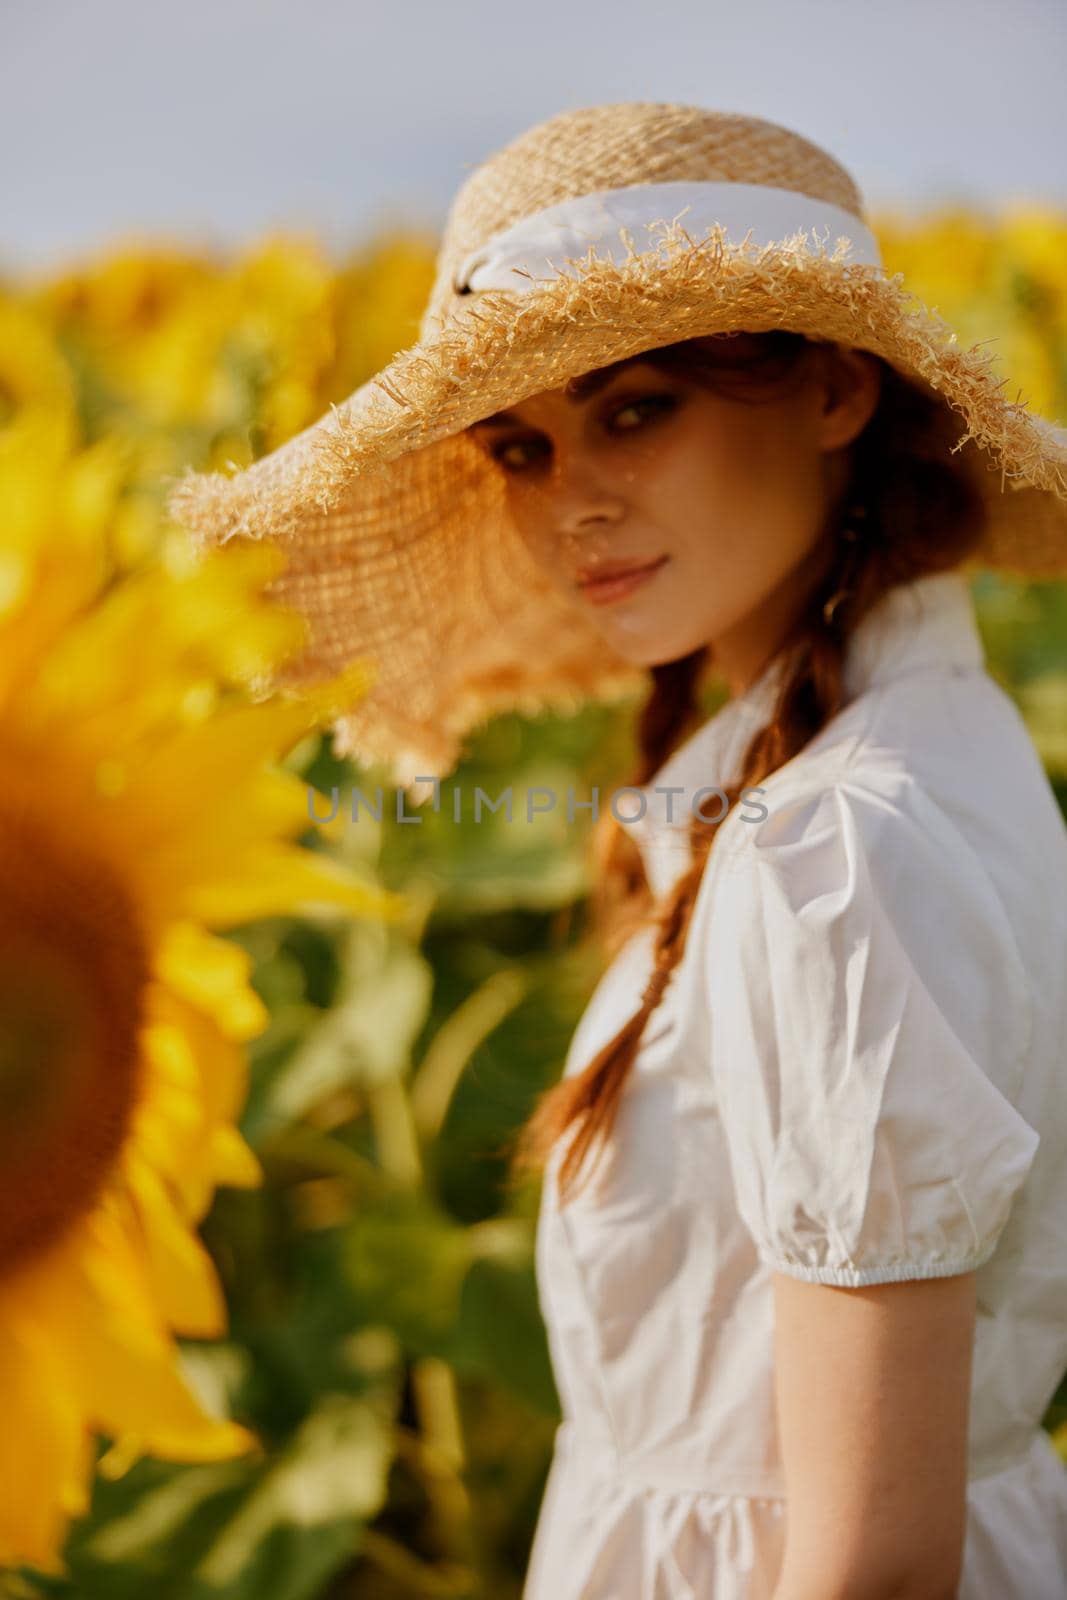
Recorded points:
(655, 401)
(647, 405)
(501, 451)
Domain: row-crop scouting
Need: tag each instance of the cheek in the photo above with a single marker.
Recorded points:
(778, 457)
(532, 526)
(694, 473)
(738, 511)
(750, 482)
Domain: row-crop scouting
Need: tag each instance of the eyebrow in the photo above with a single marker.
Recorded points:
(498, 420)
(502, 419)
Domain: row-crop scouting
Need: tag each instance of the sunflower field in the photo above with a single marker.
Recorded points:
(268, 1318)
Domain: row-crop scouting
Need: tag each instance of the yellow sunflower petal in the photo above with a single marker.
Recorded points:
(123, 1361)
(213, 974)
(181, 1273)
(234, 1162)
(275, 879)
(172, 1124)
(197, 1080)
(198, 768)
(42, 1454)
(220, 1064)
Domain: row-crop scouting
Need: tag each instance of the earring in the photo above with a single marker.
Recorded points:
(851, 535)
(857, 512)
(832, 604)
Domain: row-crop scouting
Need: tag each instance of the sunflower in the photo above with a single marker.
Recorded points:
(140, 814)
(33, 371)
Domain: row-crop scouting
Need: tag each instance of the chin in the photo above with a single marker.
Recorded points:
(644, 655)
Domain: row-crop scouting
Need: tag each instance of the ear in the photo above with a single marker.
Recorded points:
(852, 387)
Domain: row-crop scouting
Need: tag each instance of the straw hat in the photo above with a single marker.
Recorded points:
(599, 233)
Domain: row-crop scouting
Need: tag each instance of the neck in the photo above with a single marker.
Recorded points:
(743, 652)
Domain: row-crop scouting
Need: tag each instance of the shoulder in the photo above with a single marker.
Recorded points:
(858, 874)
(840, 801)
(943, 751)
(868, 1021)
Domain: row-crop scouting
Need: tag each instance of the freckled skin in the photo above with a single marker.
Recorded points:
(737, 493)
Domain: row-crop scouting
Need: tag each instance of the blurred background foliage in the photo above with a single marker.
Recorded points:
(385, 1336)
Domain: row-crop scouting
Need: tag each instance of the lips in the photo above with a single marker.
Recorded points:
(588, 576)
(609, 587)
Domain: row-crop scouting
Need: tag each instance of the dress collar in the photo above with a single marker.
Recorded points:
(927, 622)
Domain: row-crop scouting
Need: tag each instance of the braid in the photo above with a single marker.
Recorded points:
(665, 719)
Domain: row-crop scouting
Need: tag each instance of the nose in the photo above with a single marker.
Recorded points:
(588, 510)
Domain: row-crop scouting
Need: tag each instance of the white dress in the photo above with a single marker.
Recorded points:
(857, 1074)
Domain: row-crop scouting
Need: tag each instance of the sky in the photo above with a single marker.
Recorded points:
(216, 122)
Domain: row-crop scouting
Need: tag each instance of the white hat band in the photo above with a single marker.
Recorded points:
(568, 229)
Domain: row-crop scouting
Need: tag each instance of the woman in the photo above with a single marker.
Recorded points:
(801, 1247)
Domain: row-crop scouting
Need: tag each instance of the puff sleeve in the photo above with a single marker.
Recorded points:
(868, 1023)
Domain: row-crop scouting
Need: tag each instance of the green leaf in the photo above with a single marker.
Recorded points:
(406, 1262)
(239, 1529)
(366, 1037)
(501, 1335)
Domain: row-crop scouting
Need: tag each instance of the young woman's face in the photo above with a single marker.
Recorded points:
(723, 502)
